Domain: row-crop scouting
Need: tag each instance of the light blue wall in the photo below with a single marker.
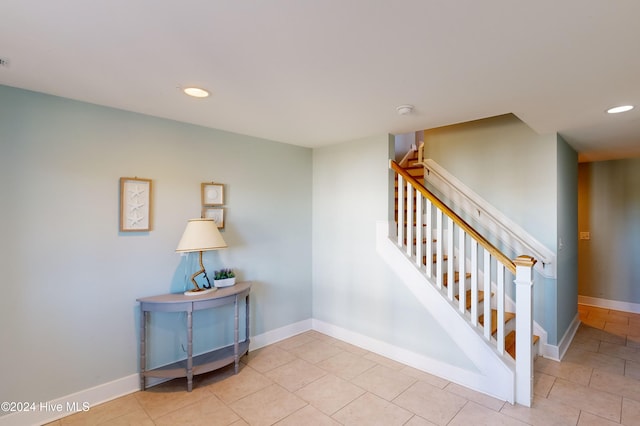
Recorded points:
(507, 164)
(352, 287)
(70, 280)
(610, 212)
(567, 258)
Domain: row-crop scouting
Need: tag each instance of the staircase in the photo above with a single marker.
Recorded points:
(467, 271)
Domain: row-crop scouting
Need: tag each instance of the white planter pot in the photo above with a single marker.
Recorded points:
(227, 282)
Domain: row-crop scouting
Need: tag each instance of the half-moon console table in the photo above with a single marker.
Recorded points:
(204, 362)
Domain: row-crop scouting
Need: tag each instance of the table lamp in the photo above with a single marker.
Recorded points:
(200, 235)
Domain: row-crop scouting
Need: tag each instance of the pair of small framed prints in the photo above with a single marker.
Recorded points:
(135, 204)
(212, 195)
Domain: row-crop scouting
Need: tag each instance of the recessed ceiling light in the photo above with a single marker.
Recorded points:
(622, 108)
(196, 92)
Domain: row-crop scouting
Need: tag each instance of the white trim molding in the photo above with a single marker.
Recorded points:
(272, 336)
(566, 340)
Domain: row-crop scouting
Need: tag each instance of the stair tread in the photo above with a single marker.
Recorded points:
(468, 298)
(435, 257)
(456, 277)
(510, 342)
(414, 243)
(508, 316)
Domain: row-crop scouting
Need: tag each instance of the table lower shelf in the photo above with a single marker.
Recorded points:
(202, 363)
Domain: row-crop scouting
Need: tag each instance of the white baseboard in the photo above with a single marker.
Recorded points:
(279, 334)
(616, 305)
(49, 411)
(566, 340)
(556, 353)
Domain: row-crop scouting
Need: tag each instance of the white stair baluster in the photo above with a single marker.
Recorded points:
(487, 294)
(429, 245)
(410, 192)
(439, 251)
(419, 233)
(462, 284)
(450, 261)
(500, 305)
(474, 282)
(400, 210)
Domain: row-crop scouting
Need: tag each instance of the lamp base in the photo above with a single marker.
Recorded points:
(198, 292)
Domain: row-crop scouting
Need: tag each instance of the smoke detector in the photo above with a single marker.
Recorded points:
(404, 109)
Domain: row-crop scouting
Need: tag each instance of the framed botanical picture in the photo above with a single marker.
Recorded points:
(215, 213)
(135, 204)
(212, 194)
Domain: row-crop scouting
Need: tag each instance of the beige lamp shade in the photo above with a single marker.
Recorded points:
(201, 235)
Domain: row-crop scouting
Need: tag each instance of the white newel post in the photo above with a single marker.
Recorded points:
(400, 210)
(524, 329)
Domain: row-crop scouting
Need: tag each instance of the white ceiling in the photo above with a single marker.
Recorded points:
(315, 72)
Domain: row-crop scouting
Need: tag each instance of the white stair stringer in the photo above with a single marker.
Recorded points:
(496, 375)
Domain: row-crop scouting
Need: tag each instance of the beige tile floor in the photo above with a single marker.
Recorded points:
(312, 379)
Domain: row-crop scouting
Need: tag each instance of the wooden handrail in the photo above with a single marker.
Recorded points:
(493, 250)
(494, 221)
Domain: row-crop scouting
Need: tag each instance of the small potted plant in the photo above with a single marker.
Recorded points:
(224, 278)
